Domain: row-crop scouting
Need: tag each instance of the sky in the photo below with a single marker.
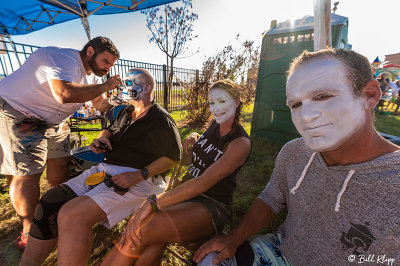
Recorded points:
(373, 28)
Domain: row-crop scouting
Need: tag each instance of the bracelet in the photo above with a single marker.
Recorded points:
(152, 199)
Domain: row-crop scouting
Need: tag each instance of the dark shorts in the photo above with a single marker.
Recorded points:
(219, 212)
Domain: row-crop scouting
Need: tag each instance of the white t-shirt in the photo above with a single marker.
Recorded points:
(27, 89)
(395, 88)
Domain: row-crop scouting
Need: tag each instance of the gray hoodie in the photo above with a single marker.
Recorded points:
(337, 215)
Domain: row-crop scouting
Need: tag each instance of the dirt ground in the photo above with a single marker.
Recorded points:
(10, 228)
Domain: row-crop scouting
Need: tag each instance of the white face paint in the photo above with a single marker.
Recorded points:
(133, 88)
(222, 105)
(323, 108)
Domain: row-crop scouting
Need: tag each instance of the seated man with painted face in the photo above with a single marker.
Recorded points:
(340, 182)
(142, 142)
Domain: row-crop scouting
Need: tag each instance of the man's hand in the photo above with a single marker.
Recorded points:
(190, 140)
(225, 246)
(69, 92)
(96, 145)
(113, 82)
(127, 179)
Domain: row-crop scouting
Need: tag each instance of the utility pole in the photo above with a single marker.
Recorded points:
(322, 24)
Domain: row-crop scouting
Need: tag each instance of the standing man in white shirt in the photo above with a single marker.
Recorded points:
(35, 101)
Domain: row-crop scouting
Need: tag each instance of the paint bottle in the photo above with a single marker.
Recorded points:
(86, 113)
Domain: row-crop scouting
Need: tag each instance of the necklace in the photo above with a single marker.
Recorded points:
(143, 113)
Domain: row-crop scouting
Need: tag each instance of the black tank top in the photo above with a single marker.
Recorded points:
(207, 150)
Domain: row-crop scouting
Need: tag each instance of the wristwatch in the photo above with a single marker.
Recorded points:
(152, 199)
(145, 173)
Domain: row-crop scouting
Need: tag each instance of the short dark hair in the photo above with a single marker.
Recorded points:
(358, 70)
(101, 44)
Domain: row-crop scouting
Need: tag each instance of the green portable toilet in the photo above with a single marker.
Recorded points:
(271, 116)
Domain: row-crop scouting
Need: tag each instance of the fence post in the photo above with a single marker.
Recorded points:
(165, 87)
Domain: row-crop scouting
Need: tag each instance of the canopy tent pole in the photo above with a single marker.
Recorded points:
(86, 26)
(84, 17)
(322, 24)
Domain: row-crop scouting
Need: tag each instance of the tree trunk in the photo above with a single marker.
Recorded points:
(170, 78)
(171, 74)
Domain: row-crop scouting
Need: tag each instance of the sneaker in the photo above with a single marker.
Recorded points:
(22, 240)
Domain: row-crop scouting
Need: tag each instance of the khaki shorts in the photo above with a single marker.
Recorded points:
(26, 143)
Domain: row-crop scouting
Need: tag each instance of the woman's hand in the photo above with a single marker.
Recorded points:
(97, 145)
(132, 235)
(190, 140)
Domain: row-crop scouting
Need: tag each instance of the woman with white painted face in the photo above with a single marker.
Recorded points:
(200, 207)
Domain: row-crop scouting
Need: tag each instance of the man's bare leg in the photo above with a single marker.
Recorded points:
(37, 251)
(24, 195)
(75, 221)
(57, 170)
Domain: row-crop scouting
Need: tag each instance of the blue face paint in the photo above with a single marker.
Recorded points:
(131, 88)
(134, 72)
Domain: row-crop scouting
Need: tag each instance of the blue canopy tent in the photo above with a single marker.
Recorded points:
(19, 17)
(25, 16)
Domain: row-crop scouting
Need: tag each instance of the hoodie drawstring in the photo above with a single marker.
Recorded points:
(303, 174)
(339, 196)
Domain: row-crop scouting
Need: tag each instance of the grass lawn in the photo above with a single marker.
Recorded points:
(389, 124)
(251, 181)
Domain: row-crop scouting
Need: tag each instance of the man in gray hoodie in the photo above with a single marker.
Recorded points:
(340, 182)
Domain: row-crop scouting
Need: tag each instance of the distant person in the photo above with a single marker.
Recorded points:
(142, 142)
(395, 85)
(201, 206)
(340, 182)
(397, 101)
(384, 87)
(395, 94)
(35, 101)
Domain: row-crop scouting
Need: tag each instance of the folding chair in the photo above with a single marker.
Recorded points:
(82, 158)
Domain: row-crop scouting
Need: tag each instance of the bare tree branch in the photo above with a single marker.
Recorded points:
(175, 31)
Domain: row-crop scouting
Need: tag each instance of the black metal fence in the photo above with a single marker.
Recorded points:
(12, 55)
(171, 98)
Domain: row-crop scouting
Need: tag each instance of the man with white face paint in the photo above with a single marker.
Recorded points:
(340, 182)
(141, 143)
